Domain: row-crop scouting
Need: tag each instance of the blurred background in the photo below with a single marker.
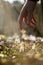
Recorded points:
(9, 12)
(14, 50)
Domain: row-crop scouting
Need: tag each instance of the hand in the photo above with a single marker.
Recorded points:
(23, 31)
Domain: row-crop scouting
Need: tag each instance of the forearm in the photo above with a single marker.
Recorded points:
(21, 16)
(22, 12)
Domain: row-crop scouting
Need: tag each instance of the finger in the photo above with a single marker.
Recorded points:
(33, 20)
(32, 24)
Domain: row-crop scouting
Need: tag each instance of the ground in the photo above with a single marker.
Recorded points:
(17, 51)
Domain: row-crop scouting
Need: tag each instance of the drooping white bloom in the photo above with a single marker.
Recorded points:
(10, 39)
(34, 46)
(2, 42)
(25, 37)
(13, 57)
(17, 40)
(21, 49)
(40, 39)
(1, 55)
(32, 38)
(16, 37)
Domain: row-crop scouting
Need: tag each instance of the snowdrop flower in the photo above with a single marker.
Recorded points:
(25, 37)
(39, 39)
(17, 40)
(42, 39)
(1, 55)
(13, 57)
(32, 38)
(34, 46)
(10, 39)
(2, 42)
(21, 49)
(15, 36)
